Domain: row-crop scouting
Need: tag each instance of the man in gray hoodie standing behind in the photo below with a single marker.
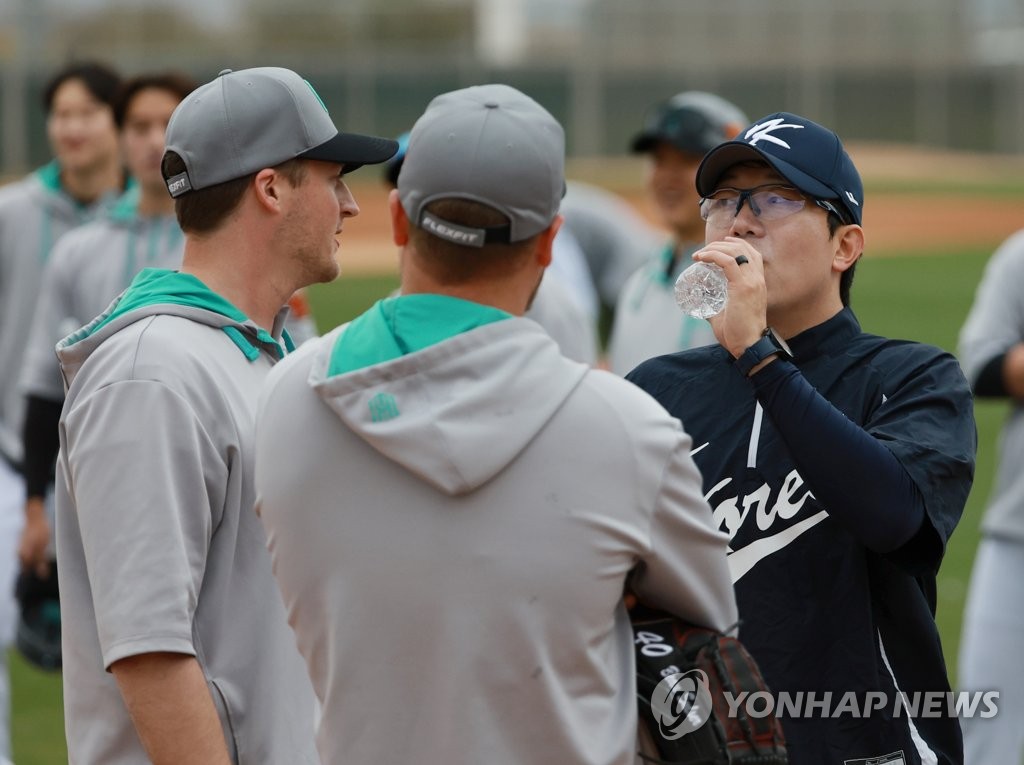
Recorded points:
(453, 508)
(82, 180)
(175, 644)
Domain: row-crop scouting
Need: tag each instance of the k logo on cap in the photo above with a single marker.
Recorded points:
(807, 155)
(763, 131)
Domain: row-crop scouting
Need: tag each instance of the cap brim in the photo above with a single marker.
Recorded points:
(353, 150)
(725, 155)
(644, 142)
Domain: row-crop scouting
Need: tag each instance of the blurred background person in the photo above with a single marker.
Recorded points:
(87, 269)
(676, 135)
(614, 237)
(84, 177)
(991, 350)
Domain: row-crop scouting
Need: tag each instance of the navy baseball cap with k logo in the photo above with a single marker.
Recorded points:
(809, 156)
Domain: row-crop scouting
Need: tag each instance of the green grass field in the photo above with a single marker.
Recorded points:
(911, 296)
(927, 299)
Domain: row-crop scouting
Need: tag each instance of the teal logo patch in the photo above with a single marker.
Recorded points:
(313, 91)
(383, 407)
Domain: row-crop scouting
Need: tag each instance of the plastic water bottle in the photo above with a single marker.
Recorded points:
(701, 290)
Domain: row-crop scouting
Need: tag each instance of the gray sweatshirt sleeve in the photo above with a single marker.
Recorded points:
(686, 572)
(996, 320)
(40, 375)
(146, 481)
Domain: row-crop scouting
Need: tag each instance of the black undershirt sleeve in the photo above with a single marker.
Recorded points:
(852, 474)
(990, 380)
(41, 442)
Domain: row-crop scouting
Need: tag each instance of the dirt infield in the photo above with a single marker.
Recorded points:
(913, 223)
(925, 221)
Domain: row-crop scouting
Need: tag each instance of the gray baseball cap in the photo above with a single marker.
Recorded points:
(692, 121)
(244, 121)
(490, 144)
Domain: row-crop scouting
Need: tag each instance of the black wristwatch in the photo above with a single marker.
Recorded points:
(770, 344)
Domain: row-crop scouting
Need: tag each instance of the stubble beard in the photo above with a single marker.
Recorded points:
(318, 267)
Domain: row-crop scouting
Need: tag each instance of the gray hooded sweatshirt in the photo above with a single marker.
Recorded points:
(453, 509)
(158, 547)
(34, 213)
(87, 268)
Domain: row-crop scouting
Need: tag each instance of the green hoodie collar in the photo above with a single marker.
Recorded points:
(405, 324)
(125, 207)
(49, 177)
(157, 286)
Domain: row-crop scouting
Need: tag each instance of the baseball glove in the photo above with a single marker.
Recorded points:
(38, 631)
(683, 673)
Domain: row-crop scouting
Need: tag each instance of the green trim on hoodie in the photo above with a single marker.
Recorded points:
(157, 286)
(125, 207)
(397, 326)
(250, 351)
(49, 176)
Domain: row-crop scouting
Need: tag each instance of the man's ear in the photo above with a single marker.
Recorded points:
(399, 220)
(849, 246)
(268, 185)
(546, 242)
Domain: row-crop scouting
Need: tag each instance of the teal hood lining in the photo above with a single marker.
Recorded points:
(395, 327)
(155, 286)
(49, 177)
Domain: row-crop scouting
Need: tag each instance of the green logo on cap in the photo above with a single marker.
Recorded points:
(313, 91)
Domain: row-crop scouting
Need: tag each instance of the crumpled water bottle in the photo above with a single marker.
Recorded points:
(701, 290)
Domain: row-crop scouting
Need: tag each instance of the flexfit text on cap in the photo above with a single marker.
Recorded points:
(692, 121)
(251, 119)
(809, 156)
(490, 144)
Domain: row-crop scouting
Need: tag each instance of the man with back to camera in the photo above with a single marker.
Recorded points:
(175, 643)
(676, 136)
(453, 537)
(838, 462)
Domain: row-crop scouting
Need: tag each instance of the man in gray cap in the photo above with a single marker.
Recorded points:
(676, 135)
(176, 645)
(468, 504)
